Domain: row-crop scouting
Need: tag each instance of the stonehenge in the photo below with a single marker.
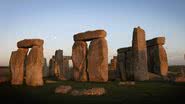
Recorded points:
(31, 63)
(135, 62)
(90, 64)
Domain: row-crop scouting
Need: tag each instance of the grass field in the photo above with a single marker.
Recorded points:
(142, 93)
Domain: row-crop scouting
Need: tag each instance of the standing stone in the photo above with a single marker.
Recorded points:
(66, 69)
(139, 55)
(129, 65)
(59, 64)
(121, 65)
(45, 68)
(98, 60)
(17, 66)
(157, 57)
(34, 64)
(52, 66)
(114, 63)
(79, 53)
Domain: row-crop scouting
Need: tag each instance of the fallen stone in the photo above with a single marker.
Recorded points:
(89, 35)
(29, 43)
(127, 83)
(98, 60)
(94, 92)
(63, 89)
(79, 53)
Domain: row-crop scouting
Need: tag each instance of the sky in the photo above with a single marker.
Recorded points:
(56, 21)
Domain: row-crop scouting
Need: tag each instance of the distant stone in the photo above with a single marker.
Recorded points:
(29, 43)
(94, 92)
(34, 66)
(58, 69)
(156, 41)
(63, 89)
(90, 35)
(98, 60)
(17, 66)
(154, 77)
(45, 68)
(51, 66)
(139, 51)
(127, 83)
(79, 52)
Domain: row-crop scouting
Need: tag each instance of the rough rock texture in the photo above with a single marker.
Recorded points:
(121, 65)
(59, 73)
(29, 43)
(89, 35)
(79, 53)
(125, 63)
(93, 92)
(98, 60)
(140, 66)
(51, 66)
(157, 58)
(127, 83)
(66, 69)
(114, 63)
(45, 68)
(17, 65)
(63, 89)
(34, 65)
(156, 41)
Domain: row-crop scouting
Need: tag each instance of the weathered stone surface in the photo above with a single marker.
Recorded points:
(29, 43)
(93, 92)
(127, 83)
(52, 66)
(17, 65)
(114, 63)
(129, 66)
(90, 35)
(156, 41)
(66, 69)
(98, 60)
(125, 63)
(121, 65)
(139, 55)
(45, 68)
(34, 64)
(59, 72)
(157, 60)
(79, 53)
(63, 89)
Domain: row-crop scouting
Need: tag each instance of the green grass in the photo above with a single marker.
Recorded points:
(143, 92)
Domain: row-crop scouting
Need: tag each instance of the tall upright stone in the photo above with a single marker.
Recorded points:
(45, 68)
(51, 66)
(157, 57)
(79, 54)
(34, 65)
(98, 60)
(139, 55)
(125, 63)
(17, 66)
(59, 64)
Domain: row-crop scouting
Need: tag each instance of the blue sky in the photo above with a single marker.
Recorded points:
(56, 21)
